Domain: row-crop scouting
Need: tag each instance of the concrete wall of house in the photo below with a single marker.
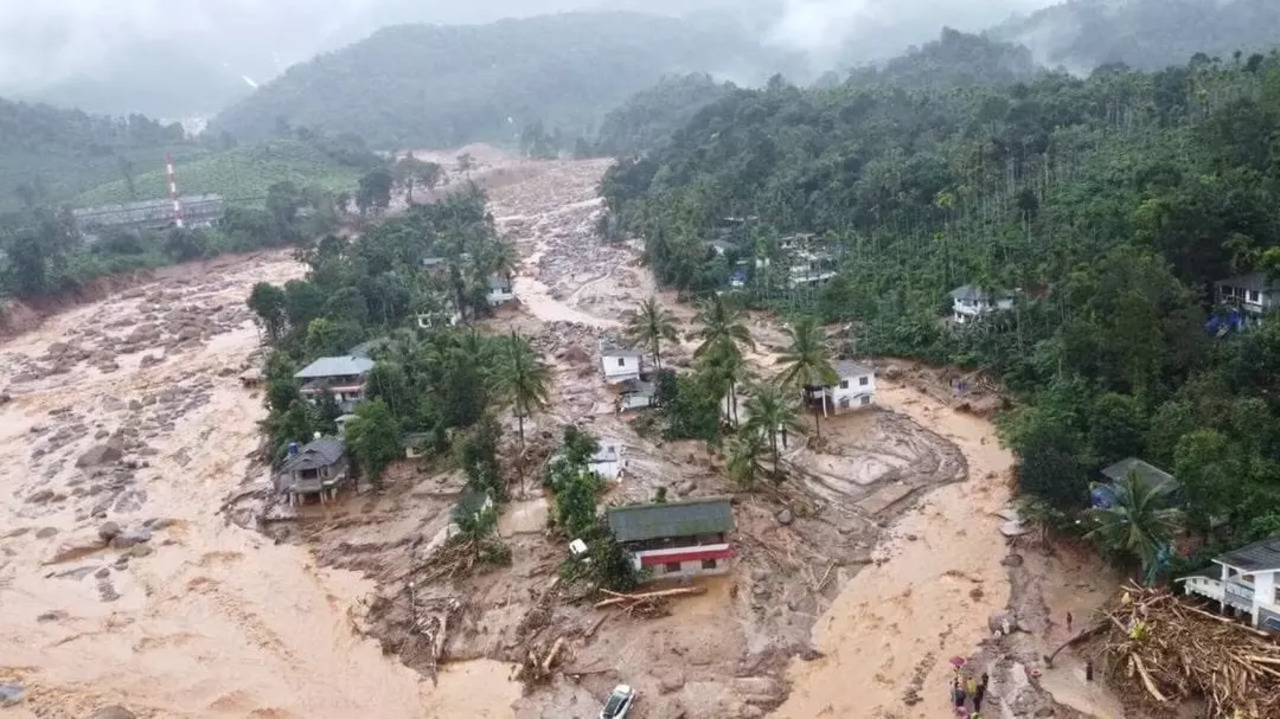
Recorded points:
(695, 568)
(1264, 595)
(851, 389)
(620, 367)
(635, 401)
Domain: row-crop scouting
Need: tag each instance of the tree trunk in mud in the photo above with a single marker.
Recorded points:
(520, 460)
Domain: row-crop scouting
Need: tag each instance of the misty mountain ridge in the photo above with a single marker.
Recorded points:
(431, 85)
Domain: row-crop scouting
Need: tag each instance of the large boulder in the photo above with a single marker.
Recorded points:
(76, 547)
(101, 454)
(109, 531)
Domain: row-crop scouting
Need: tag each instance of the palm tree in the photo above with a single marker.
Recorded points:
(650, 326)
(721, 323)
(744, 458)
(771, 413)
(523, 379)
(808, 363)
(1140, 523)
(726, 364)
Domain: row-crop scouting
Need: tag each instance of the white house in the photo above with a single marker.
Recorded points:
(608, 461)
(811, 268)
(969, 303)
(856, 388)
(500, 290)
(1253, 293)
(1246, 580)
(619, 364)
(636, 394)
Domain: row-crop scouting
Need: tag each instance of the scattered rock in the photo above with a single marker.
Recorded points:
(134, 405)
(5, 398)
(103, 573)
(46, 532)
(912, 537)
(1013, 560)
(11, 693)
(159, 523)
(1000, 622)
(892, 372)
(141, 550)
(784, 517)
(109, 531)
(114, 711)
(810, 654)
(112, 404)
(670, 681)
(107, 592)
(101, 454)
(685, 488)
(41, 496)
(150, 361)
(74, 548)
(52, 615)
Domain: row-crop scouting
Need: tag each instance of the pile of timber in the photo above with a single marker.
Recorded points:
(537, 665)
(648, 604)
(1174, 650)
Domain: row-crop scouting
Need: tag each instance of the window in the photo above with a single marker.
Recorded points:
(711, 564)
(862, 381)
(670, 567)
(866, 400)
(1253, 295)
(1277, 601)
(844, 384)
(622, 361)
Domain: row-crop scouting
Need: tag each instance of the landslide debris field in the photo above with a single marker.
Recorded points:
(134, 566)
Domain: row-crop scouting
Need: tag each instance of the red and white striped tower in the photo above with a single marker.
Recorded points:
(173, 191)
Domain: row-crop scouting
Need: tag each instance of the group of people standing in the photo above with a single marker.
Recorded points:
(968, 694)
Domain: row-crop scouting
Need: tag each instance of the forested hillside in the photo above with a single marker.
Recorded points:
(648, 118)
(1145, 34)
(52, 152)
(1108, 206)
(955, 59)
(420, 85)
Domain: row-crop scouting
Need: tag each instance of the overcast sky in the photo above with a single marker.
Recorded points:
(50, 40)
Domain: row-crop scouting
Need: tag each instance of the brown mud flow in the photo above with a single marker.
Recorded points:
(122, 582)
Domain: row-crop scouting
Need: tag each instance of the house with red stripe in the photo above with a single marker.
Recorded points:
(676, 539)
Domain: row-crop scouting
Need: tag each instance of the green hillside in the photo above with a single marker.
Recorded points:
(242, 174)
(420, 85)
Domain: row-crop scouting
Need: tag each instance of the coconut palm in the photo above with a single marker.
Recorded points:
(721, 323)
(650, 326)
(725, 363)
(1140, 523)
(523, 379)
(772, 413)
(743, 463)
(807, 363)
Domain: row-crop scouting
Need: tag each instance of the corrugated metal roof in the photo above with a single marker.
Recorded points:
(671, 519)
(1150, 476)
(322, 452)
(1256, 281)
(1257, 557)
(343, 366)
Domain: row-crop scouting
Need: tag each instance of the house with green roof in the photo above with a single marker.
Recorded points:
(675, 540)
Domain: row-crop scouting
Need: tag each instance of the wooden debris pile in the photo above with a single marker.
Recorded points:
(649, 604)
(538, 665)
(1175, 650)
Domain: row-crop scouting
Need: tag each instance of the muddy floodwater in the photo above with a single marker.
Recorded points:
(123, 582)
(202, 619)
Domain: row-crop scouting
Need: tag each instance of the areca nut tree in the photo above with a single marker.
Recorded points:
(772, 413)
(807, 363)
(651, 325)
(1140, 523)
(523, 379)
(726, 364)
(743, 462)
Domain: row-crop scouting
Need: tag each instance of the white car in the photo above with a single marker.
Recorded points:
(619, 703)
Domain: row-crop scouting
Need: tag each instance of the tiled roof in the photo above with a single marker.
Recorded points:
(849, 368)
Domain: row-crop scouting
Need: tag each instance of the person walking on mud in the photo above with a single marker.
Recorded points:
(958, 696)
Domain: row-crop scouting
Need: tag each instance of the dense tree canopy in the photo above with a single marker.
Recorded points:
(1106, 206)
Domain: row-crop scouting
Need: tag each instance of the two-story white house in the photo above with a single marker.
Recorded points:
(856, 389)
(1252, 293)
(619, 363)
(1246, 581)
(968, 303)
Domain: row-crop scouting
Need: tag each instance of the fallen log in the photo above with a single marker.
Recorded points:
(551, 655)
(617, 598)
